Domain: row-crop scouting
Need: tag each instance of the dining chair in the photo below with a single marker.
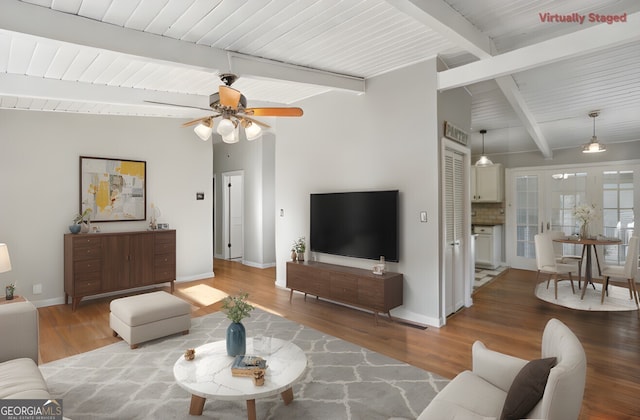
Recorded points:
(628, 271)
(563, 258)
(546, 262)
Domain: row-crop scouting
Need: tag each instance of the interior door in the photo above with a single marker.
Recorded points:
(233, 215)
(454, 257)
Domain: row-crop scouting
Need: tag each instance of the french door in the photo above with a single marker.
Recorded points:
(539, 200)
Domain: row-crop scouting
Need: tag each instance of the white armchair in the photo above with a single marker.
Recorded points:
(481, 393)
(20, 377)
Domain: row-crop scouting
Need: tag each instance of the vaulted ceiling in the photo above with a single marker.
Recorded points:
(533, 82)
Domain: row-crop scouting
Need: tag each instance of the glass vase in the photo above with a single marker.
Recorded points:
(584, 230)
(236, 339)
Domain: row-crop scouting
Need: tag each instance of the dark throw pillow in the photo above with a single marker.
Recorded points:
(527, 388)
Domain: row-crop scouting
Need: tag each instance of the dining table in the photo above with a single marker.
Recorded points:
(588, 244)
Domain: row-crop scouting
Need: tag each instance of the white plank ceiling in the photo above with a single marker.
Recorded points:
(533, 83)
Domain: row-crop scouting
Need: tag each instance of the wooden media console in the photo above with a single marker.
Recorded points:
(347, 285)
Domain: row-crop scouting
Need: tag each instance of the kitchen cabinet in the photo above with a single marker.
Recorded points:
(487, 184)
(488, 246)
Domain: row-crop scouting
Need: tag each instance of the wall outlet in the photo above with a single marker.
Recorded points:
(37, 289)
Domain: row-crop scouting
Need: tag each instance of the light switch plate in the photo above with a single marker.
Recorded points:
(423, 216)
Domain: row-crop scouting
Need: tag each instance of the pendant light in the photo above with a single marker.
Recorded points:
(484, 160)
(593, 146)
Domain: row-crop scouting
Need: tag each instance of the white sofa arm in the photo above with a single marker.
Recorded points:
(19, 331)
(497, 368)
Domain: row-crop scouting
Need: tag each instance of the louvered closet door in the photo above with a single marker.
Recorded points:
(454, 173)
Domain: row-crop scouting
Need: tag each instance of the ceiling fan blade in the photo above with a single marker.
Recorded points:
(229, 96)
(260, 123)
(177, 105)
(198, 121)
(274, 112)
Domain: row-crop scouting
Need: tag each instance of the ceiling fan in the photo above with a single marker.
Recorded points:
(231, 105)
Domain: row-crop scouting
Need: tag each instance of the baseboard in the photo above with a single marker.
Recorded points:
(60, 300)
(202, 276)
(258, 265)
(47, 302)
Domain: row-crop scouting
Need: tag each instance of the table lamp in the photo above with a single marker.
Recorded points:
(5, 265)
(5, 262)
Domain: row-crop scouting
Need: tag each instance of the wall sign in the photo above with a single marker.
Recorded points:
(454, 133)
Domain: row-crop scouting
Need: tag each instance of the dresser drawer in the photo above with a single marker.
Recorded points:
(87, 266)
(165, 243)
(165, 247)
(85, 253)
(165, 273)
(88, 283)
(165, 259)
(81, 241)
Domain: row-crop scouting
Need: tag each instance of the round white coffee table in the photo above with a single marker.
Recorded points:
(209, 375)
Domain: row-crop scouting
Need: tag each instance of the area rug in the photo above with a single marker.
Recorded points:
(342, 380)
(617, 300)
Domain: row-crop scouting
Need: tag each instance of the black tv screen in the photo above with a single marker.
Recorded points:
(355, 224)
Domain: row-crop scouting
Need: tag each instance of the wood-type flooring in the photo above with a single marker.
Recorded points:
(506, 316)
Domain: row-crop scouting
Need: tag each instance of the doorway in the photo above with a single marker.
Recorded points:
(233, 214)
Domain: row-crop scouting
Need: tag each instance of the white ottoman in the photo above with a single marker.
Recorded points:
(149, 316)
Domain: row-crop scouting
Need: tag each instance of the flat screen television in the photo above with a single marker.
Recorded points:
(355, 224)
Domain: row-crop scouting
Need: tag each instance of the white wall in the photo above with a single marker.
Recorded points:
(39, 159)
(384, 139)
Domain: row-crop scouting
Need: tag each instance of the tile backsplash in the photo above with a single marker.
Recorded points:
(487, 213)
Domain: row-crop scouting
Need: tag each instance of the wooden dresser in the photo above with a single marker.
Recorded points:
(348, 285)
(96, 263)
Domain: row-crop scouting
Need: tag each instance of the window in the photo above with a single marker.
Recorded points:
(617, 212)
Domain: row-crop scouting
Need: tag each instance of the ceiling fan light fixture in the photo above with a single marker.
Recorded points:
(203, 130)
(226, 127)
(484, 160)
(594, 146)
(252, 131)
(232, 137)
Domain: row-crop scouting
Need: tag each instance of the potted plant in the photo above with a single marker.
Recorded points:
(81, 222)
(9, 290)
(237, 308)
(300, 246)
